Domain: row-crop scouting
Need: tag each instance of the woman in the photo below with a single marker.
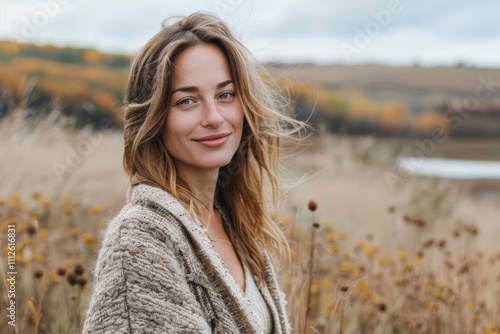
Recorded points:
(189, 253)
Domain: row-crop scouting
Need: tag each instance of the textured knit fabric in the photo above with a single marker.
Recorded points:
(157, 272)
(258, 303)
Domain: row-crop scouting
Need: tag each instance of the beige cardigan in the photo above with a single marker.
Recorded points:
(157, 272)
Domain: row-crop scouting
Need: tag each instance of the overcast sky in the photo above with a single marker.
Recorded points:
(428, 32)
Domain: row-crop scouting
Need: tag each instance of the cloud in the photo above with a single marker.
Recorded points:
(447, 18)
(283, 29)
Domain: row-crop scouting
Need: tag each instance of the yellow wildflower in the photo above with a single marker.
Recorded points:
(400, 281)
(370, 251)
(40, 258)
(68, 199)
(431, 306)
(43, 234)
(408, 267)
(68, 209)
(96, 209)
(333, 249)
(314, 287)
(491, 329)
(441, 294)
(74, 232)
(326, 284)
(345, 266)
(402, 256)
(330, 237)
(88, 239)
(15, 199)
(54, 277)
(68, 263)
(44, 202)
(385, 261)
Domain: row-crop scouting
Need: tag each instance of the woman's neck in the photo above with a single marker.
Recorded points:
(202, 184)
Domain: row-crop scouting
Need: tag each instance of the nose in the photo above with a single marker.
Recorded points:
(211, 115)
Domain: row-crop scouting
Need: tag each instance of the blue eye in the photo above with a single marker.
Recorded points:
(226, 95)
(184, 102)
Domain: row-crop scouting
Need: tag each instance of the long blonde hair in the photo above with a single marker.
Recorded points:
(249, 187)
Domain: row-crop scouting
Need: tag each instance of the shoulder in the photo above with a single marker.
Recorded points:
(151, 223)
(151, 210)
(141, 236)
(139, 225)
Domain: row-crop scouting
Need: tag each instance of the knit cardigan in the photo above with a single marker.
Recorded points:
(157, 272)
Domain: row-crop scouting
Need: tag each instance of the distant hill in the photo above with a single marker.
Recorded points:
(414, 86)
(390, 100)
(374, 99)
(90, 84)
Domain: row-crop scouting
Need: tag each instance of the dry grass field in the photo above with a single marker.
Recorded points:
(366, 257)
(401, 84)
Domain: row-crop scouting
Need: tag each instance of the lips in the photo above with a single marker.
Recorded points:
(213, 137)
(213, 140)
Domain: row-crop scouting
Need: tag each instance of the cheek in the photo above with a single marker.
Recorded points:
(237, 118)
(170, 132)
(178, 129)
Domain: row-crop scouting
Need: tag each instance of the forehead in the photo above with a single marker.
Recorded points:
(200, 64)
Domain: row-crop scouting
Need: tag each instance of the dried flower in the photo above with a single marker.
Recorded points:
(71, 278)
(38, 273)
(471, 229)
(419, 221)
(312, 205)
(79, 270)
(31, 230)
(61, 271)
(428, 243)
(464, 269)
(382, 307)
(81, 281)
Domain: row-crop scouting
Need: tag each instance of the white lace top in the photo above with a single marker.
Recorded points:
(260, 307)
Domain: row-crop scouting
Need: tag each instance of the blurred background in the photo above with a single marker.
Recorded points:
(404, 99)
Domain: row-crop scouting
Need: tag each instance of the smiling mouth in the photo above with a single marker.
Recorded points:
(213, 137)
(213, 140)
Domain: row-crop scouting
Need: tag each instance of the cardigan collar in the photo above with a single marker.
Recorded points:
(148, 194)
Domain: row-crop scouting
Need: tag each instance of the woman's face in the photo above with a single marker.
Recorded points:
(205, 120)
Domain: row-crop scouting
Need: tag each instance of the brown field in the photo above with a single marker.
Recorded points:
(421, 257)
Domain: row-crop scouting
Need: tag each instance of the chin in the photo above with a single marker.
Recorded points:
(217, 163)
(216, 160)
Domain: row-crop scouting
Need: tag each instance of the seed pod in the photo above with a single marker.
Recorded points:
(312, 205)
(71, 278)
(79, 270)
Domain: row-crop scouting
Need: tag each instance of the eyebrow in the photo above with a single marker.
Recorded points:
(189, 89)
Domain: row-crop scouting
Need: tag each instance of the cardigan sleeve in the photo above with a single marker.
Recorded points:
(140, 285)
